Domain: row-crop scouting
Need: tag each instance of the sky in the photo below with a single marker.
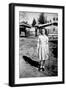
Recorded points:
(29, 16)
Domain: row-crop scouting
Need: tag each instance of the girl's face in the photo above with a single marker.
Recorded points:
(43, 31)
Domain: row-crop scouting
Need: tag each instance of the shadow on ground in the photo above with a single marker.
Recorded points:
(31, 62)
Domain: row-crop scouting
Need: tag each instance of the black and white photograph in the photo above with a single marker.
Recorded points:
(36, 44)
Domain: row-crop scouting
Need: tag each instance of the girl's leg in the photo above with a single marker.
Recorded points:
(43, 65)
(43, 62)
(40, 65)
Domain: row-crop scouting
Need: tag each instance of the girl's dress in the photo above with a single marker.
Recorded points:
(43, 47)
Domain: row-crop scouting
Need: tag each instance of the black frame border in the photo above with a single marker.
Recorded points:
(12, 43)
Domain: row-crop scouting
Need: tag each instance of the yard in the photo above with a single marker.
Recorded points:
(28, 59)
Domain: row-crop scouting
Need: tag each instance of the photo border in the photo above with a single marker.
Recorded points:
(12, 43)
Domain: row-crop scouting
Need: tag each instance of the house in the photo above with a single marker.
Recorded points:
(24, 29)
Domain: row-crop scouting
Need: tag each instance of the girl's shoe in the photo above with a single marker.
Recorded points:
(43, 69)
(40, 69)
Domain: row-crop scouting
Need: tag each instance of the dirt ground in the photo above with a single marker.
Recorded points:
(28, 59)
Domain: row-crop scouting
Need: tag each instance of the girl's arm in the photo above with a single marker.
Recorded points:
(47, 45)
(37, 44)
(47, 41)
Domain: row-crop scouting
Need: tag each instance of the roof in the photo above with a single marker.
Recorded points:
(47, 24)
(25, 25)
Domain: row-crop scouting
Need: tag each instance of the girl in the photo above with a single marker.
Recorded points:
(43, 49)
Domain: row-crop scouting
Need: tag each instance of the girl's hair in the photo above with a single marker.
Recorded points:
(46, 33)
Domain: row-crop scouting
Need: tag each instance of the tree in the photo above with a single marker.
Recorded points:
(57, 19)
(54, 19)
(34, 22)
(42, 19)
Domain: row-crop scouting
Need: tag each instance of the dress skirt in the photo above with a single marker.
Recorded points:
(43, 53)
(43, 47)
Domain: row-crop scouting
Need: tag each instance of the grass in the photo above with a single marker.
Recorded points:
(28, 47)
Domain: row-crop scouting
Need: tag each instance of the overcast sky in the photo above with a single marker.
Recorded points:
(29, 16)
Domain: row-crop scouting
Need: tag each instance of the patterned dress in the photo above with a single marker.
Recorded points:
(43, 47)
